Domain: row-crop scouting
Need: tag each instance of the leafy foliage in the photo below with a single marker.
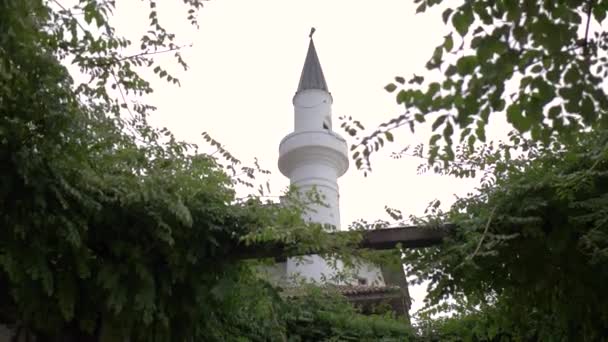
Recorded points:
(476, 325)
(107, 233)
(529, 249)
(112, 229)
(540, 63)
(323, 316)
(526, 259)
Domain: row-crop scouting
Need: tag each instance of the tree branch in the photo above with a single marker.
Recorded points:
(149, 53)
(484, 233)
(585, 41)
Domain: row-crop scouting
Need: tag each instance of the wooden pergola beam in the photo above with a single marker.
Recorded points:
(378, 239)
(408, 237)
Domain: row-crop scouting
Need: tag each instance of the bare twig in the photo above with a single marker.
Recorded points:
(585, 42)
(484, 233)
(149, 53)
(60, 5)
(122, 94)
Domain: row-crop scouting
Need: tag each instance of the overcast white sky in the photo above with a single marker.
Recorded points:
(245, 65)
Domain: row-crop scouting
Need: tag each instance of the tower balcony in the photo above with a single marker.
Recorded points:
(324, 148)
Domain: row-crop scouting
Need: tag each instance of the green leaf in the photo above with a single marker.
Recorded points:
(421, 8)
(499, 105)
(417, 80)
(480, 131)
(462, 20)
(389, 136)
(536, 69)
(466, 65)
(437, 55)
(439, 121)
(448, 43)
(448, 131)
(450, 70)
(434, 139)
(572, 75)
(390, 87)
(446, 15)
(599, 13)
(402, 96)
(517, 119)
(555, 111)
(433, 89)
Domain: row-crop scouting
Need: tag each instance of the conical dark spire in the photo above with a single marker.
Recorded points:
(312, 74)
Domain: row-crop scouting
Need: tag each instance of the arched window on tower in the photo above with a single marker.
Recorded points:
(327, 124)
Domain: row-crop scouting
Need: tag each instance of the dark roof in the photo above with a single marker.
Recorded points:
(363, 295)
(345, 290)
(312, 74)
(354, 290)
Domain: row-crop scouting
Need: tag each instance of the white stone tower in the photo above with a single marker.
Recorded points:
(313, 157)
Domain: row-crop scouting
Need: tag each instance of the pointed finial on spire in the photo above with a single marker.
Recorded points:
(312, 74)
(312, 31)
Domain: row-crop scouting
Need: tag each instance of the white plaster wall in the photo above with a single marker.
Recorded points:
(311, 268)
(319, 147)
(324, 212)
(313, 161)
(311, 107)
(276, 273)
(371, 273)
(314, 158)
